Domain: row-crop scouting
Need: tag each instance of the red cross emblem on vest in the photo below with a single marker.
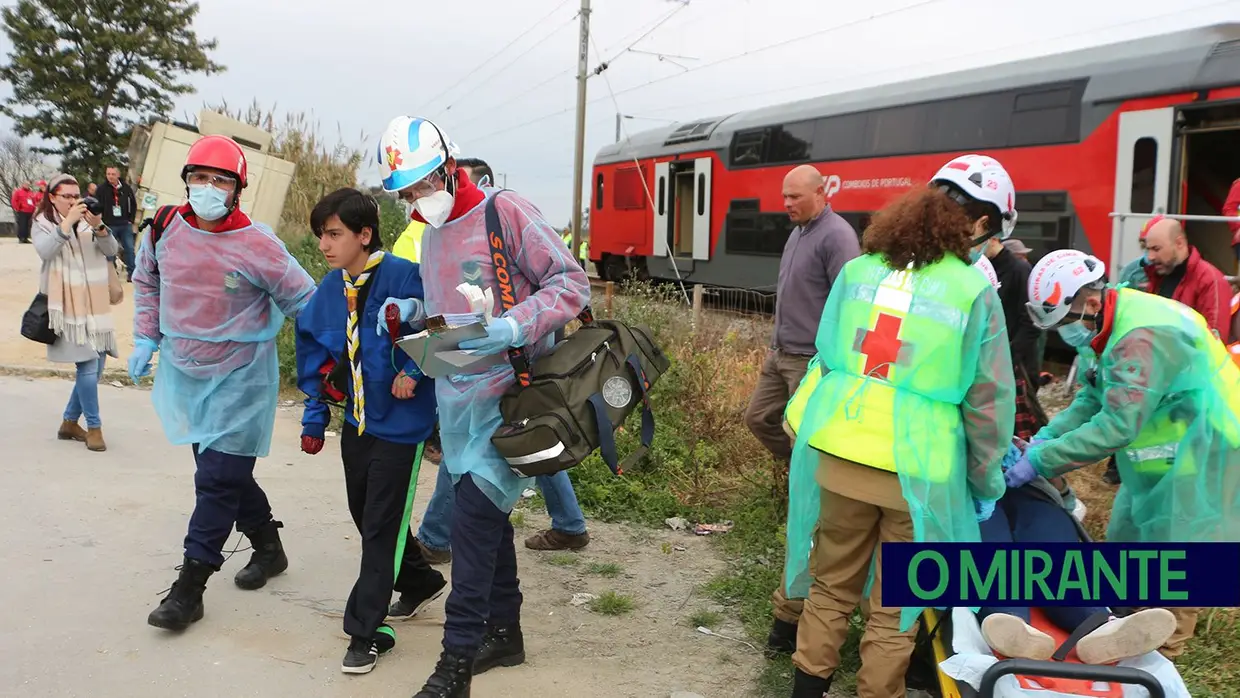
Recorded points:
(881, 345)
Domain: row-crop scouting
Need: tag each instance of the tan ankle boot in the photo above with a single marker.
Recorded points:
(94, 440)
(71, 431)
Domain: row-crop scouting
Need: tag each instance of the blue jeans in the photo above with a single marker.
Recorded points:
(84, 400)
(557, 490)
(1022, 516)
(123, 232)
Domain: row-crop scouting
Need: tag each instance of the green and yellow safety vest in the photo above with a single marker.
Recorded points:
(898, 368)
(1157, 445)
(409, 244)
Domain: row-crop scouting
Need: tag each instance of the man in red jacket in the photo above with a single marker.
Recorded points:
(1177, 271)
(23, 202)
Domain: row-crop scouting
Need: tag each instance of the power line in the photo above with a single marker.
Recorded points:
(901, 68)
(718, 62)
(680, 5)
(493, 56)
(510, 63)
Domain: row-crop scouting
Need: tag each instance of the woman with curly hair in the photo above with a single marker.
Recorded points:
(901, 425)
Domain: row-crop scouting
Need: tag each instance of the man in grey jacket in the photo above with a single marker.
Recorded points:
(818, 247)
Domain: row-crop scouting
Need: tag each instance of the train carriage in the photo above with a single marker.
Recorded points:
(1133, 128)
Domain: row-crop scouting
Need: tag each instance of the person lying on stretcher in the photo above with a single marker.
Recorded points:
(1039, 513)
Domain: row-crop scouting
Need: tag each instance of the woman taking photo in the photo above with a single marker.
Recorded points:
(74, 246)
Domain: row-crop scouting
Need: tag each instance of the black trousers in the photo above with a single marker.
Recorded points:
(485, 587)
(378, 477)
(23, 226)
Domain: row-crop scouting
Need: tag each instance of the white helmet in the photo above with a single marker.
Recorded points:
(988, 270)
(410, 149)
(1055, 282)
(980, 178)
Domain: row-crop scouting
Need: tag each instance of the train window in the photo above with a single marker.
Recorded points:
(749, 147)
(1052, 202)
(840, 137)
(968, 123)
(598, 192)
(662, 193)
(791, 143)
(701, 195)
(628, 189)
(757, 234)
(1043, 117)
(897, 131)
(1144, 164)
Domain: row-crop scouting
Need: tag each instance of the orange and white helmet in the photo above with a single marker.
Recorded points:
(988, 270)
(980, 178)
(1055, 282)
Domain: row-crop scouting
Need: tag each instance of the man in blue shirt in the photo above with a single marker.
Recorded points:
(389, 412)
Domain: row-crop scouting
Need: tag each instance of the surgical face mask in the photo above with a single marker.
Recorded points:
(435, 208)
(1075, 335)
(975, 254)
(408, 209)
(209, 203)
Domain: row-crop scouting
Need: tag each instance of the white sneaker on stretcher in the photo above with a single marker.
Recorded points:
(1115, 640)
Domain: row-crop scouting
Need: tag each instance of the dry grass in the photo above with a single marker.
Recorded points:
(321, 167)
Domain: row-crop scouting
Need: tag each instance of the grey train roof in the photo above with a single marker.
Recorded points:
(1159, 64)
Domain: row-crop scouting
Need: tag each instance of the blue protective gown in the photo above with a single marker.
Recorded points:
(550, 289)
(214, 302)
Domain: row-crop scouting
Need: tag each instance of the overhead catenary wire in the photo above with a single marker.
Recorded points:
(900, 68)
(487, 61)
(720, 61)
(509, 64)
(487, 111)
(645, 186)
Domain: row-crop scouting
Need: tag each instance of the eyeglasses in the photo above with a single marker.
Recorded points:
(425, 187)
(218, 181)
(70, 197)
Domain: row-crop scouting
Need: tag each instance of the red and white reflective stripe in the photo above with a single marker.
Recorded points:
(1234, 349)
(1235, 303)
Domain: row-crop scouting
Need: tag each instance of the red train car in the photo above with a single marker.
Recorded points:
(1136, 128)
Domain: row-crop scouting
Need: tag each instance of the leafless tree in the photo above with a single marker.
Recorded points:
(18, 163)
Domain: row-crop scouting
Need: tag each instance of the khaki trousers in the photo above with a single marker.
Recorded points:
(848, 532)
(781, 374)
(1185, 627)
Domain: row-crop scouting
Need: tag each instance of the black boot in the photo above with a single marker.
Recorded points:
(1111, 476)
(806, 686)
(451, 678)
(782, 640)
(268, 559)
(183, 604)
(502, 646)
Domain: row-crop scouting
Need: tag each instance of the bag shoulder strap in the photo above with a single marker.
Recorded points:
(160, 222)
(495, 233)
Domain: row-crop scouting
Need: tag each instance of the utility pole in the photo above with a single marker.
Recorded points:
(583, 56)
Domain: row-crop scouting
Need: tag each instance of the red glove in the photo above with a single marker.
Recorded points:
(311, 444)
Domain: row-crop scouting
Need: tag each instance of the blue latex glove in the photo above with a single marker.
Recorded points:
(1020, 474)
(984, 508)
(501, 334)
(410, 309)
(140, 359)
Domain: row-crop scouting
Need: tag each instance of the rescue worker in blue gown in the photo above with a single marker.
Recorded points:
(548, 289)
(210, 295)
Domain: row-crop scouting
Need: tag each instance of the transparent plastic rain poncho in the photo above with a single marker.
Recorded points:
(1164, 397)
(947, 407)
(214, 307)
(550, 290)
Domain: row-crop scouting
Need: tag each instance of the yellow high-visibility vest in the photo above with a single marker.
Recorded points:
(409, 244)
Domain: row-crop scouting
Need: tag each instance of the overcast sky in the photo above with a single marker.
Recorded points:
(357, 64)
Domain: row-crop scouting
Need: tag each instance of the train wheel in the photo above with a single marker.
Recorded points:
(613, 268)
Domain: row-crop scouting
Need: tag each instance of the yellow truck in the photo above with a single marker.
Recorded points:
(157, 154)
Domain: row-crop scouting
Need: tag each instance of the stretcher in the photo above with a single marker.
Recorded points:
(952, 660)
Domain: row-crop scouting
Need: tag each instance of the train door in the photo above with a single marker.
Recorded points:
(1142, 179)
(1209, 147)
(682, 211)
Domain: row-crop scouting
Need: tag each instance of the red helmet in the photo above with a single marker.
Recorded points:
(218, 152)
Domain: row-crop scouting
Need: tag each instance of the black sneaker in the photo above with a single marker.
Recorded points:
(411, 604)
(363, 654)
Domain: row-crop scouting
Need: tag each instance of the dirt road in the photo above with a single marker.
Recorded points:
(90, 539)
